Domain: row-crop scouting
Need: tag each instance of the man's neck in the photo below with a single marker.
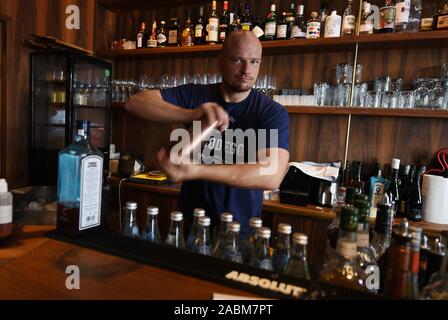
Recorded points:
(232, 96)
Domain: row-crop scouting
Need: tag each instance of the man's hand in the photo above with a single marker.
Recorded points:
(175, 172)
(211, 112)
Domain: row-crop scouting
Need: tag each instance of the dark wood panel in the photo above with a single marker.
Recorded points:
(411, 140)
(4, 26)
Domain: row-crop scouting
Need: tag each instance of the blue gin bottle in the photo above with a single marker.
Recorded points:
(80, 174)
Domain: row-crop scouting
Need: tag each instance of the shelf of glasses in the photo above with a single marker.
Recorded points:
(80, 106)
(382, 41)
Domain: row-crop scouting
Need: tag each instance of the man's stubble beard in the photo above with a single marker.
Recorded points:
(238, 88)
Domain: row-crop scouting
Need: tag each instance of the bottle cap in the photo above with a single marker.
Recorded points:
(226, 217)
(284, 228)
(395, 163)
(300, 238)
(152, 211)
(314, 14)
(264, 232)
(334, 12)
(255, 222)
(176, 216)
(234, 226)
(3, 186)
(130, 205)
(204, 221)
(198, 212)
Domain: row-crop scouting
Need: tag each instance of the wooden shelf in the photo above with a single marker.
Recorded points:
(376, 41)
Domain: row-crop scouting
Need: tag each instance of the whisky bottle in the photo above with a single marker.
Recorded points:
(232, 249)
(270, 26)
(202, 241)
(343, 270)
(175, 236)
(298, 30)
(402, 10)
(162, 40)
(224, 22)
(142, 36)
(80, 174)
(248, 245)
(282, 250)
(366, 25)
(174, 34)
(348, 20)
(428, 11)
(213, 26)
(130, 227)
(197, 213)
(298, 264)
(151, 231)
(387, 17)
(313, 26)
(263, 259)
(220, 234)
(188, 33)
(199, 29)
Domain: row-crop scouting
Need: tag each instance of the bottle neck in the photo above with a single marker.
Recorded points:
(132, 217)
(233, 240)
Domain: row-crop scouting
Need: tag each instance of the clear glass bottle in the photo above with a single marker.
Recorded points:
(402, 11)
(130, 226)
(248, 245)
(313, 26)
(282, 250)
(348, 20)
(202, 243)
(151, 231)
(366, 25)
(5, 210)
(263, 259)
(175, 236)
(298, 30)
(298, 264)
(344, 270)
(415, 14)
(333, 25)
(232, 249)
(220, 234)
(80, 179)
(197, 213)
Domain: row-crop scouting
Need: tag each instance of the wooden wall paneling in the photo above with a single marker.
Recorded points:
(105, 28)
(4, 28)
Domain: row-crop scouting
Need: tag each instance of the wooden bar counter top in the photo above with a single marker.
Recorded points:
(33, 267)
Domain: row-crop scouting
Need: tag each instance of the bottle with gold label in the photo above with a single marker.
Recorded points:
(440, 21)
(213, 26)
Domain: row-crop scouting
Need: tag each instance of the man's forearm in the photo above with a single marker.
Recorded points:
(149, 105)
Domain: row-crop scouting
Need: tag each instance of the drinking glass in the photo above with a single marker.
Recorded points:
(373, 99)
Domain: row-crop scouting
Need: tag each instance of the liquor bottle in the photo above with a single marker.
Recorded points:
(333, 229)
(405, 189)
(366, 25)
(382, 231)
(246, 20)
(290, 19)
(175, 236)
(199, 29)
(346, 174)
(152, 40)
(414, 203)
(416, 233)
(343, 270)
(197, 213)
(323, 14)
(378, 186)
(402, 11)
(213, 26)
(188, 33)
(440, 21)
(356, 182)
(162, 40)
(174, 34)
(299, 29)
(219, 234)
(202, 242)
(437, 289)
(333, 25)
(282, 28)
(80, 174)
(428, 11)
(393, 191)
(270, 26)
(313, 26)
(224, 22)
(387, 17)
(142, 36)
(130, 227)
(415, 14)
(348, 20)
(263, 259)
(151, 231)
(282, 251)
(232, 249)
(435, 260)
(425, 251)
(258, 29)
(236, 23)
(298, 264)
(248, 245)
(366, 253)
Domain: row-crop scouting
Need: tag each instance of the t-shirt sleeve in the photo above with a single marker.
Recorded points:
(276, 122)
(185, 96)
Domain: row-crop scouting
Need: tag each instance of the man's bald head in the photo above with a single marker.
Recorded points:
(241, 38)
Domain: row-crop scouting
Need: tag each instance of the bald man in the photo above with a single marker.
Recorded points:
(214, 184)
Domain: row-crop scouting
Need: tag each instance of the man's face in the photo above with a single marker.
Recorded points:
(240, 65)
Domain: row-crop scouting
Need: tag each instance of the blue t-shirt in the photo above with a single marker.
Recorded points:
(255, 112)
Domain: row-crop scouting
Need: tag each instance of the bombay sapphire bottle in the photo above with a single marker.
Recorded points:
(282, 251)
(80, 174)
(232, 249)
(175, 236)
(202, 243)
(263, 259)
(130, 227)
(197, 213)
(151, 232)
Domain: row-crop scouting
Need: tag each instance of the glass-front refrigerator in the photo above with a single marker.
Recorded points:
(66, 86)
